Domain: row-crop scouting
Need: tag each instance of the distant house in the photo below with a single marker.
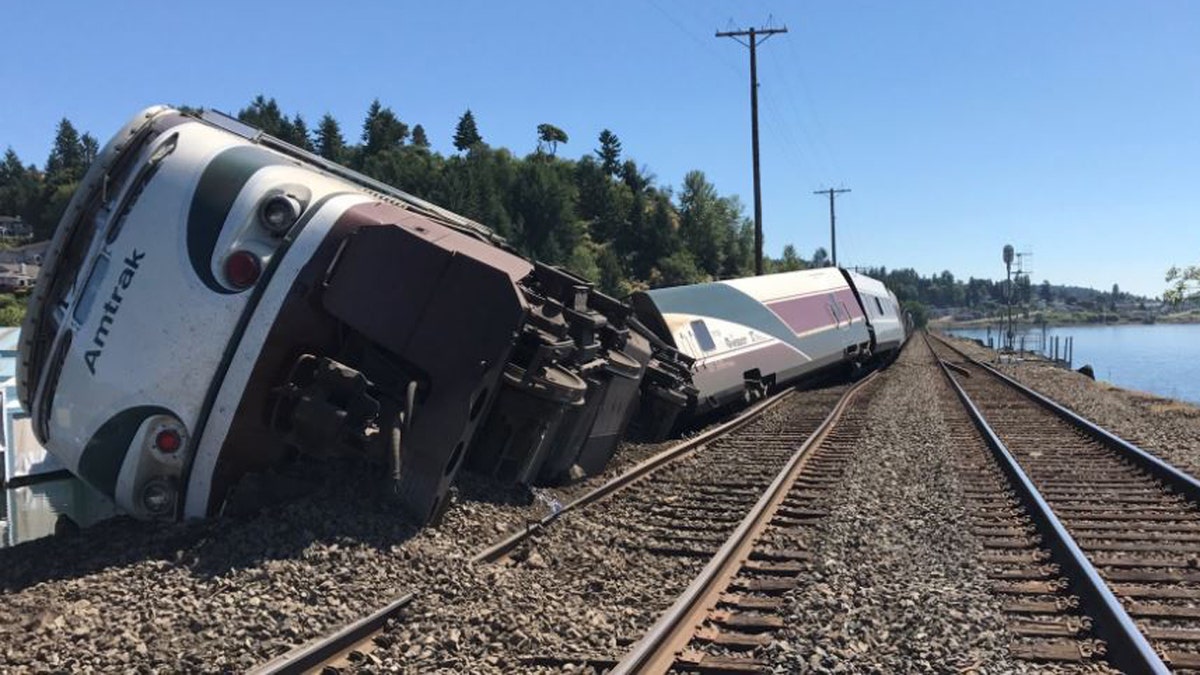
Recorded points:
(15, 228)
(19, 266)
(17, 276)
(30, 254)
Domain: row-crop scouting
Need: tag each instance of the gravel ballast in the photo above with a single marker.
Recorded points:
(584, 589)
(230, 593)
(1163, 426)
(898, 586)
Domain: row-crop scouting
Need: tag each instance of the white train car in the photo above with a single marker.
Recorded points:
(203, 276)
(749, 334)
(888, 326)
(215, 301)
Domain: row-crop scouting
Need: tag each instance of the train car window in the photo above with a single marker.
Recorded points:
(880, 306)
(83, 306)
(703, 336)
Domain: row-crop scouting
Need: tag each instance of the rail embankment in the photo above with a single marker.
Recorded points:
(1164, 426)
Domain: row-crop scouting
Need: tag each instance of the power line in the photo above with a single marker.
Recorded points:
(832, 219)
(797, 71)
(691, 35)
(756, 37)
(812, 149)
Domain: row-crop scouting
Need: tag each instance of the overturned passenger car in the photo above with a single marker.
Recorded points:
(216, 300)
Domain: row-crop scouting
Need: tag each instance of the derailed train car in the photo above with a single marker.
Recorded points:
(216, 300)
(749, 335)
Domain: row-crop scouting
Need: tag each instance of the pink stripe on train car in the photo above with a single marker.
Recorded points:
(811, 312)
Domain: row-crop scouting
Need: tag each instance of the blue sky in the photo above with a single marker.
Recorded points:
(1069, 129)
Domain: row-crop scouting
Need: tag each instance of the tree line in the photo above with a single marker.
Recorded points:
(603, 215)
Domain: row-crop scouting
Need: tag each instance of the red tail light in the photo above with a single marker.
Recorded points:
(168, 441)
(242, 269)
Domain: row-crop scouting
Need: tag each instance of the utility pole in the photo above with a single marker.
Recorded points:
(1008, 261)
(832, 220)
(756, 37)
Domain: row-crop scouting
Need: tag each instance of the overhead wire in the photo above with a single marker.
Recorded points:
(816, 153)
(818, 127)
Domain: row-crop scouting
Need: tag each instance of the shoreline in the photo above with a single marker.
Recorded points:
(1039, 362)
(1169, 320)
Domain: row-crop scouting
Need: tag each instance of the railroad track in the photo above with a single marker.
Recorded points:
(677, 506)
(732, 607)
(1120, 524)
(1061, 604)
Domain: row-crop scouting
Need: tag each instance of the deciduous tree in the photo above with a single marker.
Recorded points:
(549, 136)
(1185, 284)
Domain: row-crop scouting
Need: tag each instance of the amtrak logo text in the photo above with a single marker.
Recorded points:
(132, 261)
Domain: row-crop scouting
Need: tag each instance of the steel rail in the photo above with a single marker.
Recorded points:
(656, 651)
(1130, 650)
(634, 474)
(1178, 480)
(314, 654)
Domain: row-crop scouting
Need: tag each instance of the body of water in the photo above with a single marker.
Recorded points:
(1162, 359)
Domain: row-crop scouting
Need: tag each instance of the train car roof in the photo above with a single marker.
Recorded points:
(783, 284)
(868, 285)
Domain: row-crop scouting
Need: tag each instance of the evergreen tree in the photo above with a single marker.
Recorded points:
(20, 189)
(264, 114)
(418, 137)
(634, 177)
(68, 158)
(297, 134)
(330, 143)
(466, 134)
(68, 161)
(543, 204)
(382, 130)
(610, 152)
(602, 216)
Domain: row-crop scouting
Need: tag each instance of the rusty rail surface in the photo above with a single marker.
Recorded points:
(660, 649)
(326, 649)
(1129, 648)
